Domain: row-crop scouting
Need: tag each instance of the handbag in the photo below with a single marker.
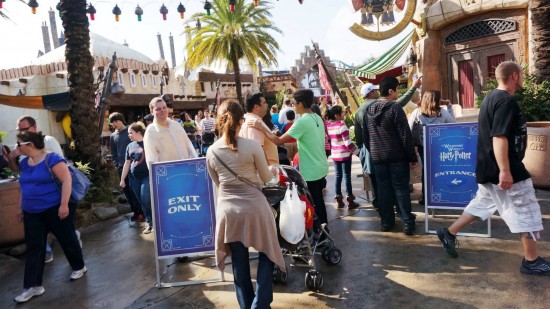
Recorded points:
(80, 183)
(274, 194)
(417, 132)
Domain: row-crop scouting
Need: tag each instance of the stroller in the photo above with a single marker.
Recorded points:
(207, 139)
(316, 239)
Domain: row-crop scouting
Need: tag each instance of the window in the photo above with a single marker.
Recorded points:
(202, 86)
(132, 79)
(213, 86)
(492, 63)
(154, 81)
(143, 80)
(480, 29)
(120, 79)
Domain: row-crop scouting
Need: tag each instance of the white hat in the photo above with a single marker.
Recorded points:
(367, 88)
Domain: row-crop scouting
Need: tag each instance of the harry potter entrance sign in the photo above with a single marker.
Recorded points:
(376, 13)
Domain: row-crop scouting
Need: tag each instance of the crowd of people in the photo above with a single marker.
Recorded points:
(251, 141)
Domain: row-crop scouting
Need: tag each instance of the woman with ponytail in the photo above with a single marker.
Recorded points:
(243, 217)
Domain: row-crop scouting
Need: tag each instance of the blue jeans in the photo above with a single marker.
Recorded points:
(344, 166)
(36, 227)
(243, 282)
(130, 196)
(393, 186)
(141, 189)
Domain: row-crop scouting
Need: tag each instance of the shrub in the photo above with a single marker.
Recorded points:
(533, 99)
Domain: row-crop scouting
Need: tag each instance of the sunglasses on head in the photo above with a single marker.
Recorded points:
(19, 144)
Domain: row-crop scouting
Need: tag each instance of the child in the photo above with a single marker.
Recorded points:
(291, 146)
(342, 148)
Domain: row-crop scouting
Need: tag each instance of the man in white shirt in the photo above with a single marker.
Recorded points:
(257, 108)
(28, 123)
(165, 139)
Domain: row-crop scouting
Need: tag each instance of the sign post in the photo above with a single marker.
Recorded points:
(183, 209)
(450, 155)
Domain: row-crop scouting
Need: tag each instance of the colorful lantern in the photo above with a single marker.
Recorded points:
(301, 1)
(58, 8)
(117, 12)
(232, 5)
(256, 2)
(207, 7)
(91, 10)
(33, 4)
(181, 10)
(2, 1)
(139, 12)
(163, 11)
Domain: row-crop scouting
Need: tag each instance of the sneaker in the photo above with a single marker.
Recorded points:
(77, 274)
(449, 241)
(30, 293)
(386, 227)
(538, 267)
(409, 229)
(148, 229)
(48, 258)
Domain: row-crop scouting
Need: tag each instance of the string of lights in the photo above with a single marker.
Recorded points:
(117, 11)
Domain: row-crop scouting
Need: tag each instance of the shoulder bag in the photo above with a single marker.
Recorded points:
(273, 194)
(80, 183)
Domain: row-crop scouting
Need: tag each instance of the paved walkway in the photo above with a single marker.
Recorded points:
(377, 269)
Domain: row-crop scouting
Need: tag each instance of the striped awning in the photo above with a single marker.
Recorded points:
(386, 61)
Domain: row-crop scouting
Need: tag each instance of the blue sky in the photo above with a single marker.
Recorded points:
(323, 21)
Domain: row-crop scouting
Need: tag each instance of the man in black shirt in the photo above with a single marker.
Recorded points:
(503, 182)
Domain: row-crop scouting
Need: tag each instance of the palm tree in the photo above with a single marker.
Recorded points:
(230, 36)
(81, 80)
(540, 35)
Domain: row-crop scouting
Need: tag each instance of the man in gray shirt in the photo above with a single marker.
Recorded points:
(119, 141)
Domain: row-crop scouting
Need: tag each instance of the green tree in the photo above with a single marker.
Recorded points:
(226, 35)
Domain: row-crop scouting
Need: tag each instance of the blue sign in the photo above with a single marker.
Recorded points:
(183, 207)
(450, 164)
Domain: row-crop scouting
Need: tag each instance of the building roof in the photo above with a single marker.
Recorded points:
(99, 47)
(213, 77)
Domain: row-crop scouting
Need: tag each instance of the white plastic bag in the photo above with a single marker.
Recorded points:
(292, 222)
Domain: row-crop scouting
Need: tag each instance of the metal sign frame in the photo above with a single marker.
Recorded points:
(183, 208)
(450, 154)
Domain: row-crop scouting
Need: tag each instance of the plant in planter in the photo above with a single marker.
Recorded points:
(533, 99)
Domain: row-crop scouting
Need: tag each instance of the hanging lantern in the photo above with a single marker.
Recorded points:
(163, 11)
(117, 12)
(33, 4)
(232, 5)
(58, 8)
(181, 10)
(198, 24)
(1, 1)
(301, 1)
(256, 2)
(91, 10)
(207, 7)
(139, 12)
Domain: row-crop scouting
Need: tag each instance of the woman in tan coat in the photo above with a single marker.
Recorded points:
(243, 217)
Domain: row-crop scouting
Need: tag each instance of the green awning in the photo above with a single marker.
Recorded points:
(383, 63)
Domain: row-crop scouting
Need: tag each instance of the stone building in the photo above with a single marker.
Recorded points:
(460, 43)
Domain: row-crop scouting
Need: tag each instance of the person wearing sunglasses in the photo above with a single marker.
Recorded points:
(45, 207)
(28, 124)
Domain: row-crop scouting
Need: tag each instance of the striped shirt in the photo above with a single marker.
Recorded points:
(207, 124)
(342, 148)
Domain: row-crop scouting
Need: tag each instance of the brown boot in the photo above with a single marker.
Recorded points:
(351, 202)
(340, 201)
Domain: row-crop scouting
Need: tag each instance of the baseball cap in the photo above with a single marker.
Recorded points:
(367, 88)
(148, 118)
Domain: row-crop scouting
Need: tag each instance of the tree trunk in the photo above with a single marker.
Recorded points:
(237, 73)
(79, 68)
(540, 36)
